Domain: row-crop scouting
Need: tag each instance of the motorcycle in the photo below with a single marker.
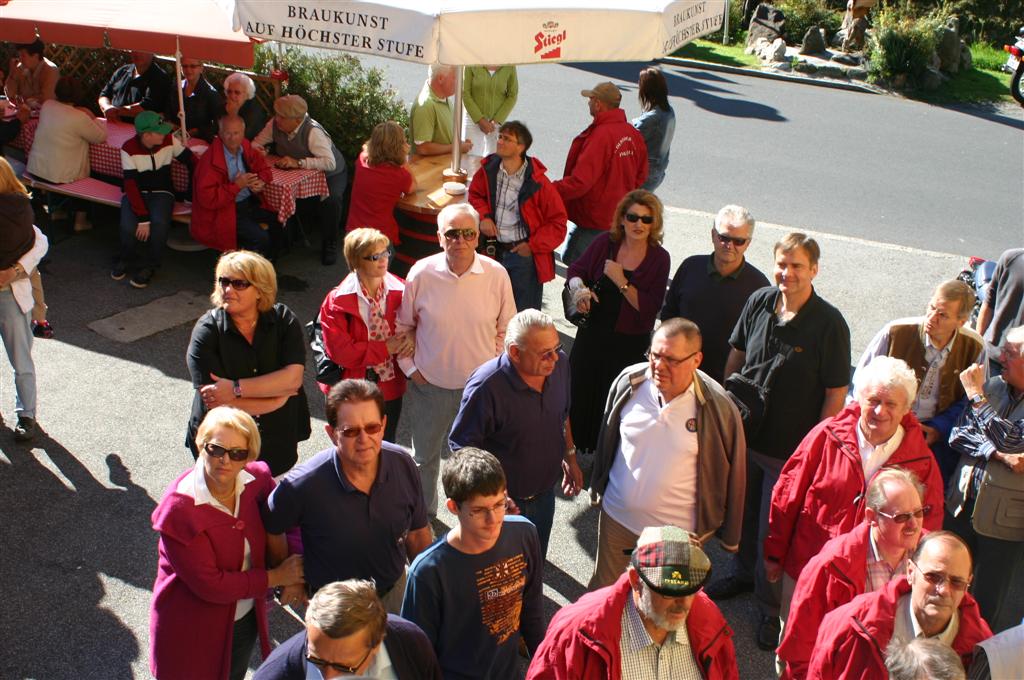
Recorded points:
(1015, 65)
(977, 275)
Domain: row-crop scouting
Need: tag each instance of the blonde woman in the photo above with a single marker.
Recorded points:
(249, 352)
(382, 177)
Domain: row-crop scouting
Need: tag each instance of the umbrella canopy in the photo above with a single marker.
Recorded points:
(467, 32)
(203, 27)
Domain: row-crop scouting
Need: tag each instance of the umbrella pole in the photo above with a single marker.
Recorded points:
(181, 95)
(457, 124)
(725, 28)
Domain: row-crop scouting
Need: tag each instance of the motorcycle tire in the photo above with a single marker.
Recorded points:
(1015, 84)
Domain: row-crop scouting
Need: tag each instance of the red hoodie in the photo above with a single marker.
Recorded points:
(820, 492)
(852, 639)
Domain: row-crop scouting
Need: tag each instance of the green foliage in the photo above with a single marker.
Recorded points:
(987, 57)
(717, 53)
(347, 99)
(992, 21)
(901, 44)
(802, 14)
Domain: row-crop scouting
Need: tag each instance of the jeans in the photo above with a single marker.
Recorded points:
(160, 205)
(431, 410)
(251, 236)
(16, 332)
(527, 289)
(579, 240)
(541, 511)
(762, 473)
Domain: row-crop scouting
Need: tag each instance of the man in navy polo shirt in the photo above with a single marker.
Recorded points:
(359, 505)
(516, 406)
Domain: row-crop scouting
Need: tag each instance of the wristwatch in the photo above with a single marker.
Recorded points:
(236, 387)
(302, 162)
(977, 400)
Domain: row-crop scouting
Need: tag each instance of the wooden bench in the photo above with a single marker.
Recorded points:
(104, 193)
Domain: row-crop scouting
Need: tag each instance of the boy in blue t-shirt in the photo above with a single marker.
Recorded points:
(475, 590)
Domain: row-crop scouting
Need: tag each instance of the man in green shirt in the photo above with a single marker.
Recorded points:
(431, 114)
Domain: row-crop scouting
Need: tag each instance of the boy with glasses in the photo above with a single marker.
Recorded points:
(478, 590)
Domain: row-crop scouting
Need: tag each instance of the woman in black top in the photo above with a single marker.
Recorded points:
(250, 353)
(202, 103)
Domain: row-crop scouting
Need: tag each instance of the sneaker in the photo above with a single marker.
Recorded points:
(42, 329)
(728, 588)
(25, 430)
(118, 271)
(141, 278)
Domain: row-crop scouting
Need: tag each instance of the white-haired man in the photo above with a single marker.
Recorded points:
(988, 488)
(516, 406)
(458, 303)
(820, 492)
(711, 290)
(430, 118)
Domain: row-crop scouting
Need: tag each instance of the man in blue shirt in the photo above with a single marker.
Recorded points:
(516, 406)
(476, 631)
(359, 505)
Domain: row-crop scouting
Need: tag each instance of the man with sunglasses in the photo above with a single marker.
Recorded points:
(931, 601)
(521, 211)
(860, 561)
(458, 304)
(671, 451)
(358, 504)
(987, 492)
(516, 407)
(710, 290)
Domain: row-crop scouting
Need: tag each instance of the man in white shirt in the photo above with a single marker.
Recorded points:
(672, 452)
(458, 303)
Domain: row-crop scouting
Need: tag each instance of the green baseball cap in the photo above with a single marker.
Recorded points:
(151, 121)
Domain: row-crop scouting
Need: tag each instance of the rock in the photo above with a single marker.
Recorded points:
(782, 66)
(776, 51)
(854, 40)
(948, 49)
(934, 61)
(931, 79)
(814, 41)
(766, 23)
(827, 71)
(846, 59)
(966, 59)
(857, 73)
(805, 67)
(756, 46)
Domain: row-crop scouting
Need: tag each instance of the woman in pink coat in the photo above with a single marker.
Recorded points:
(209, 599)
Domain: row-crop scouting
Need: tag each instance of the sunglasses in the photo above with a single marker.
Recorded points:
(341, 668)
(237, 284)
(217, 451)
(655, 357)
(633, 217)
(904, 517)
(456, 234)
(386, 253)
(724, 238)
(939, 579)
(353, 432)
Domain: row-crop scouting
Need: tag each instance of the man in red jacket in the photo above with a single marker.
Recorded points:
(636, 625)
(932, 601)
(522, 217)
(864, 560)
(605, 162)
(229, 181)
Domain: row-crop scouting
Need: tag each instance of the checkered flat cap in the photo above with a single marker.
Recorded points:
(670, 562)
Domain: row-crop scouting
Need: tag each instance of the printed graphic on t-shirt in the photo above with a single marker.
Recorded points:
(501, 595)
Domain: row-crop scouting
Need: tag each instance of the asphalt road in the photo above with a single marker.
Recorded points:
(78, 554)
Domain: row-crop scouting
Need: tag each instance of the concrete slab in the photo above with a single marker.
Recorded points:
(151, 318)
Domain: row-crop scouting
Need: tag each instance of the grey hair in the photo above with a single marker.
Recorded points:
(1015, 336)
(437, 70)
(452, 210)
(922, 659)
(243, 80)
(520, 325)
(734, 214)
(343, 608)
(887, 371)
(875, 497)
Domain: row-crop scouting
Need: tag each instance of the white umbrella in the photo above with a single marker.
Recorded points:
(469, 32)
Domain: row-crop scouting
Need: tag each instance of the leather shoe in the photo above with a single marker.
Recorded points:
(768, 633)
(728, 587)
(25, 430)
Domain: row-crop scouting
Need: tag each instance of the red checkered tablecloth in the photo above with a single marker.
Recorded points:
(291, 185)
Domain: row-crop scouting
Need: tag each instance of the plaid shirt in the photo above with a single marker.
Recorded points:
(879, 572)
(506, 204)
(644, 660)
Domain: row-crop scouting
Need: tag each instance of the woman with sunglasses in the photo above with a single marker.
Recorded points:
(382, 178)
(619, 284)
(357, 319)
(250, 352)
(215, 557)
(201, 99)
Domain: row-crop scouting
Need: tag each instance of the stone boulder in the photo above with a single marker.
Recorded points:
(767, 23)
(814, 41)
(773, 51)
(847, 59)
(966, 58)
(853, 41)
(932, 79)
(948, 47)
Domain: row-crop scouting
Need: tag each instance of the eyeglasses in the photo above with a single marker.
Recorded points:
(726, 239)
(353, 432)
(456, 234)
(191, 66)
(547, 354)
(498, 509)
(633, 217)
(509, 138)
(655, 357)
(904, 517)
(939, 579)
(341, 668)
(386, 253)
(237, 284)
(217, 451)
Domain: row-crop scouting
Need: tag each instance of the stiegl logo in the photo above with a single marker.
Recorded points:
(549, 38)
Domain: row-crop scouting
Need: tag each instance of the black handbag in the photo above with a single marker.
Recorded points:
(751, 397)
(572, 315)
(327, 372)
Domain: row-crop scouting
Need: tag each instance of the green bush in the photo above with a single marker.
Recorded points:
(802, 14)
(992, 21)
(987, 57)
(347, 99)
(902, 44)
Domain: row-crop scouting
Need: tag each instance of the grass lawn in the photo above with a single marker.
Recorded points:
(983, 83)
(717, 53)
